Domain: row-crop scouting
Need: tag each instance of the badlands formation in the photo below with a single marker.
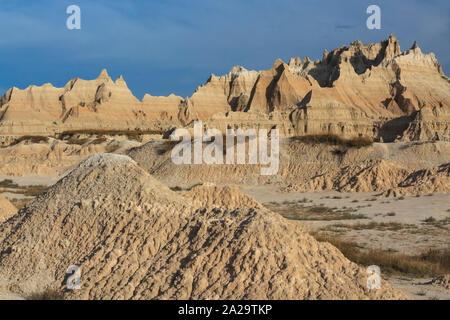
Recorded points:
(112, 213)
(140, 240)
(374, 90)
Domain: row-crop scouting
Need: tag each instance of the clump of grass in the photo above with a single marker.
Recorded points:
(391, 214)
(32, 139)
(432, 263)
(8, 183)
(47, 294)
(429, 220)
(176, 188)
(355, 201)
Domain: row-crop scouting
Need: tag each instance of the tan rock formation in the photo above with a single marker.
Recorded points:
(7, 209)
(391, 168)
(374, 90)
(142, 241)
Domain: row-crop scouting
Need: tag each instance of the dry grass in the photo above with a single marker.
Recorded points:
(8, 183)
(30, 191)
(380, 226)
(335, 140)
(130, 134)
(31, 139)
(430, 263)
(298, 211)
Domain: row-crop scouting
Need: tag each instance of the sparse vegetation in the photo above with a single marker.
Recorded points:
(298, 211)
(30, 191)
(130, 134)
(372, 225)
(391, 214)
(429, 220)
(333, 139)
(30, 139)
(8, 183)
(431, 263)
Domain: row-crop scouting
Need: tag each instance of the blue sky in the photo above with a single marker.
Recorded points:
(164, 47)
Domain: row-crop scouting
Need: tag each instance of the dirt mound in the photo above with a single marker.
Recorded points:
(7, 209)
(424, 181)
(228, 197)
(442, 281)
(135, 239)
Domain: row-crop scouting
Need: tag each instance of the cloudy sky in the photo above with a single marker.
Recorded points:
(167, 46)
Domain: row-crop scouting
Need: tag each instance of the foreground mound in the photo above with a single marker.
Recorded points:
(7, 209)
(228, 197)
(135, 239)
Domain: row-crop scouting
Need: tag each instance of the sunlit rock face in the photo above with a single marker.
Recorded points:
(374, 90)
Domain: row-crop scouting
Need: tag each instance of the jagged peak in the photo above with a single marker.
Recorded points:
(237, 70)
(357, 43)
(104, 75)
(414, 46)
(120, 81)
(278, 63)
(296, 61)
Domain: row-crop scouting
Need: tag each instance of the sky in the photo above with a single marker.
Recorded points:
(167, 46)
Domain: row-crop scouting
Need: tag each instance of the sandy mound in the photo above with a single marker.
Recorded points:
(228, 197)
(7, 209)
(136, 239)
